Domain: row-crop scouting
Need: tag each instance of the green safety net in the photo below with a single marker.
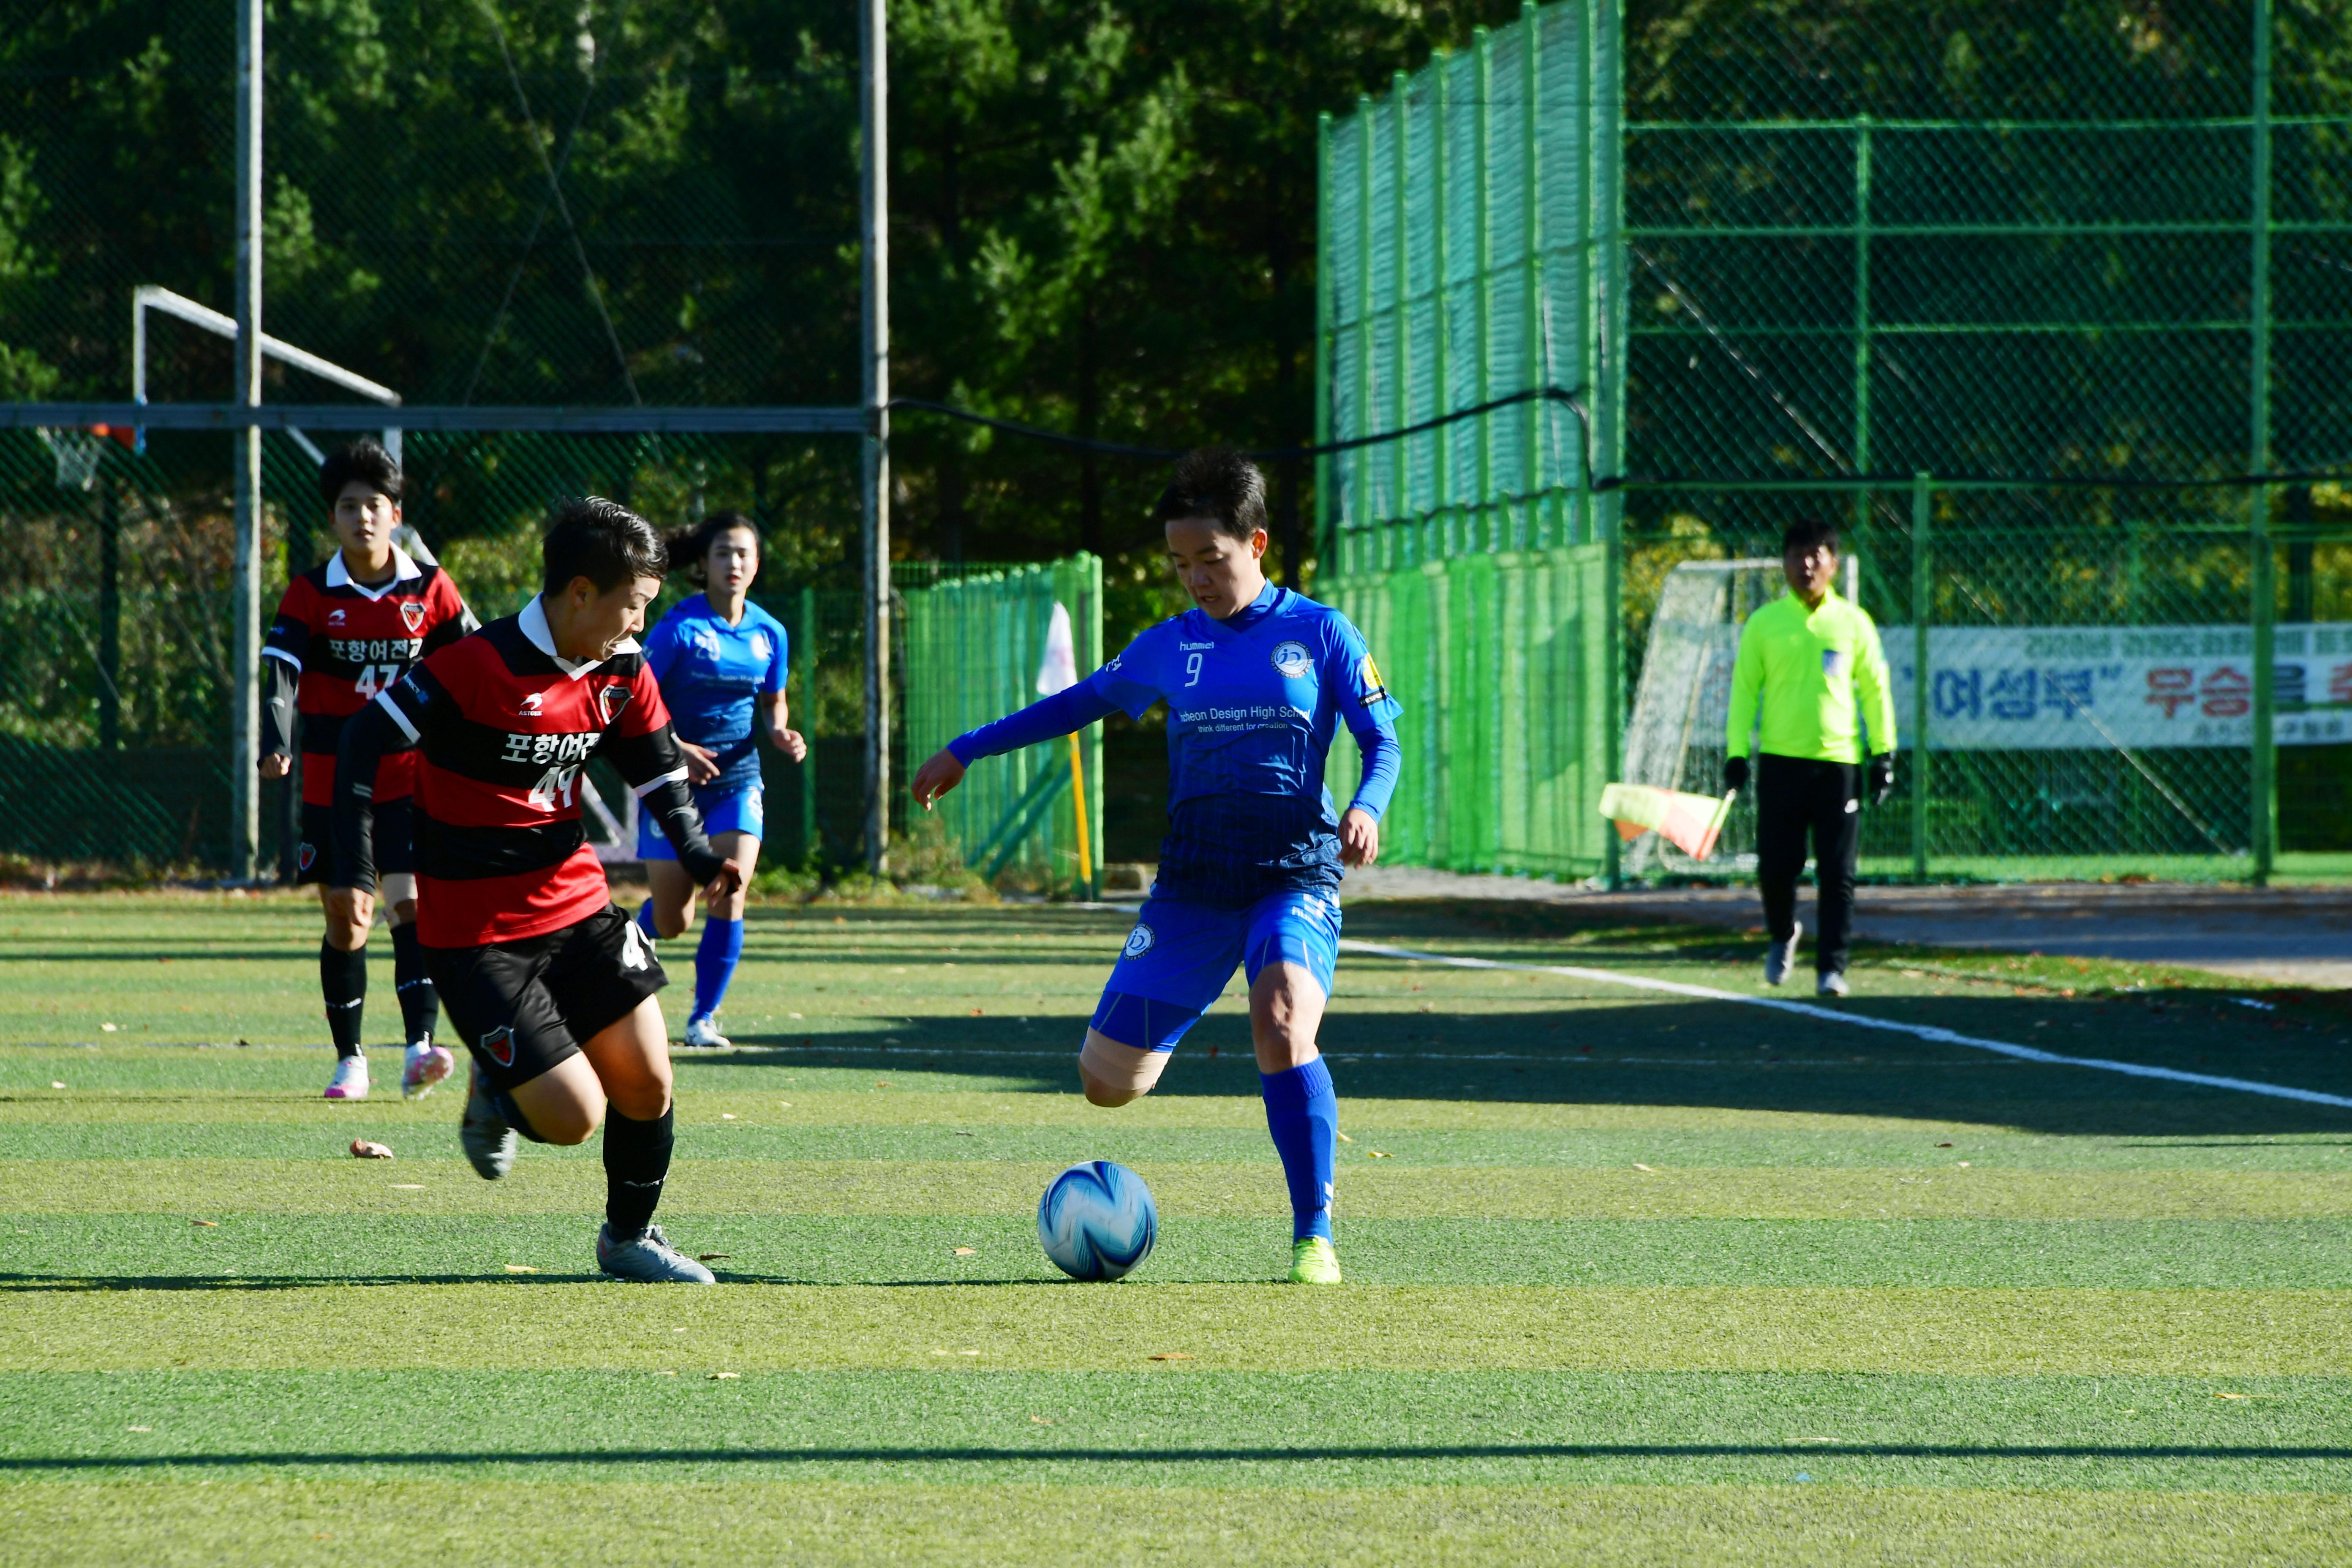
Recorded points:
(2048, 318)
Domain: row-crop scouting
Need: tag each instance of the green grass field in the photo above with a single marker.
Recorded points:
(1634, 1279)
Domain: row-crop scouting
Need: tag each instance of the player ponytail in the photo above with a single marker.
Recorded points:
(601, 541)
(1216, 485)
(689, 548)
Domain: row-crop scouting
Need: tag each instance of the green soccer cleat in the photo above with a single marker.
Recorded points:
(1314, 1261)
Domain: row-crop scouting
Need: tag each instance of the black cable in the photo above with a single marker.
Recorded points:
(1268, 454)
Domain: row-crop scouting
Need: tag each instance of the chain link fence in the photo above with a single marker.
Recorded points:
(2051, 322)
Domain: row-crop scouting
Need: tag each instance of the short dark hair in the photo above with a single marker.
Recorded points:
(1218, 484)
(689, 548)
(362, 461)
(601, 541)
(1808, 531)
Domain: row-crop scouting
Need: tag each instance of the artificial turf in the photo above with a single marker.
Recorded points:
(1633, 1278)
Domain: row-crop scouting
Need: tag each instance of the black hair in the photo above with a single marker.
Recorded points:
(364, 461)
(689, 548)
(1808, 531)
(1219, 485)
(601, 541)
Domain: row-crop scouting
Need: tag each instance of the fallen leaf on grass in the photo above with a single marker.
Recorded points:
(665, 1372)
(1040, 1421)
(1345, 1139)
(55, 1084)
(1964, 1164)
(520, 1269)
(717, 1375)
(1170, 1355)
(881, 1083)
(1380, 1155)
(1943, 1145)
(207, 1224)
(1639, 1166)
(408, 1186)
(783, 1105)
(363, 1150)
(140, 1428)
(975, 1012)
(965, 1251)
(713, 1256)
(726, 1116)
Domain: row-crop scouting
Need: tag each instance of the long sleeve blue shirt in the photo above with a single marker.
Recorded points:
(1253, 704)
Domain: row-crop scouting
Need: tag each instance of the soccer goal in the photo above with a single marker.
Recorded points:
(1674, 739)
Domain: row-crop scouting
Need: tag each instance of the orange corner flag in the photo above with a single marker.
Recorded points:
(1689, 822)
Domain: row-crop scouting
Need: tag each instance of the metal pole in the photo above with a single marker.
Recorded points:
(1923, 607)
(1535, 354)
(874, 114)
(804, 701)
(1861, 319)
(244, 591)
(1326, 547)
(1611, 322)
(1440, 344)
(2264, 768)
(1400, 345)
(1359, 471)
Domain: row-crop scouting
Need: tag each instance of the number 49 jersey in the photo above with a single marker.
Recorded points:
(346, 643)
(502, 727)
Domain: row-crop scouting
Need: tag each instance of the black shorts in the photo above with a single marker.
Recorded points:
(395, 842)
(523, 1007)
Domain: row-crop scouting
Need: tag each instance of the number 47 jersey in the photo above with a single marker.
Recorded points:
(343, 643)
(502, 726)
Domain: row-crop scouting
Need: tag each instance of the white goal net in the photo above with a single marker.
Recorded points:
(1674, 739)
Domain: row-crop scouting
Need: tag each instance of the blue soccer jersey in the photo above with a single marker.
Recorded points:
(710, 673)
(1253, 703)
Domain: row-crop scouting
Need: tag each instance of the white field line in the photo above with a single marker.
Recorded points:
(1859, 1021)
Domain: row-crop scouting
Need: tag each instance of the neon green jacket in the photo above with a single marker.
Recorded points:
(1812, 673)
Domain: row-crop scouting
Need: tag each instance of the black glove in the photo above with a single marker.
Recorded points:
(1735, 774)
(1881, 777)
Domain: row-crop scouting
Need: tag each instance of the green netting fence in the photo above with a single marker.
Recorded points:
(974, 649)
(2050, 318)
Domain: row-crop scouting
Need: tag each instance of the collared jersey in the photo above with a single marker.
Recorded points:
(502, 727)
(711, 675)
(347, 643)
(1814, 677)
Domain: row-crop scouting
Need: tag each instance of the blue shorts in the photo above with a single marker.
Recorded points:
(1179, 955)
(739, 809)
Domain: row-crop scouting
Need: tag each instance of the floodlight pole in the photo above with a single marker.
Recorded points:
(874, 147)
(245, 590)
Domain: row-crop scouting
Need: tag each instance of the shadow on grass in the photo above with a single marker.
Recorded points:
(1218, 1455)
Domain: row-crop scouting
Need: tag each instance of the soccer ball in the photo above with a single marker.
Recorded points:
(1097, 1221)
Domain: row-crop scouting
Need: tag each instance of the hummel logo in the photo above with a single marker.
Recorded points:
(1191, 647)
(529, 706)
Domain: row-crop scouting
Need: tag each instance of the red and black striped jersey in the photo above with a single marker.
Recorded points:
(345, 644)
(501, 728)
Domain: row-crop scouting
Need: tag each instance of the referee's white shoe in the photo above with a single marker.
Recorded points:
(1782, 957)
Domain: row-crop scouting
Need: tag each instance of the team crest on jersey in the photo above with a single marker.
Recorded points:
(529, 707)
(334, 617)
(498, 1045)
(611, 700)
(760, 645)
(1292, 659)
(306, 856)
(1375, 690)
(1139, 942)
(412, 615)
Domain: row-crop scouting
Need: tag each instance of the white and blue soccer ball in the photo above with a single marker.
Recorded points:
(1097, 1221)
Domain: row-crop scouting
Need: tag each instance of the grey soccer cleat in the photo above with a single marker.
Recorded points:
(650, 1259)
(1831, 984)
(484, 1134)
(1782, 957)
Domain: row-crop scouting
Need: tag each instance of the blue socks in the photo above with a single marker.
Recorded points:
(1303, 1114)
(645, 920)
(714, 964)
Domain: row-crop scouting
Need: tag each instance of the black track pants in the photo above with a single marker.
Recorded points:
(1796, 797)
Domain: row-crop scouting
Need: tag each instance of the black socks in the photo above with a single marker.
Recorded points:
(636, 1163)
(420, 1004)
(343, 981)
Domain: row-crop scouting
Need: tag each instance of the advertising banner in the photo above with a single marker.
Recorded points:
(2140, 688)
